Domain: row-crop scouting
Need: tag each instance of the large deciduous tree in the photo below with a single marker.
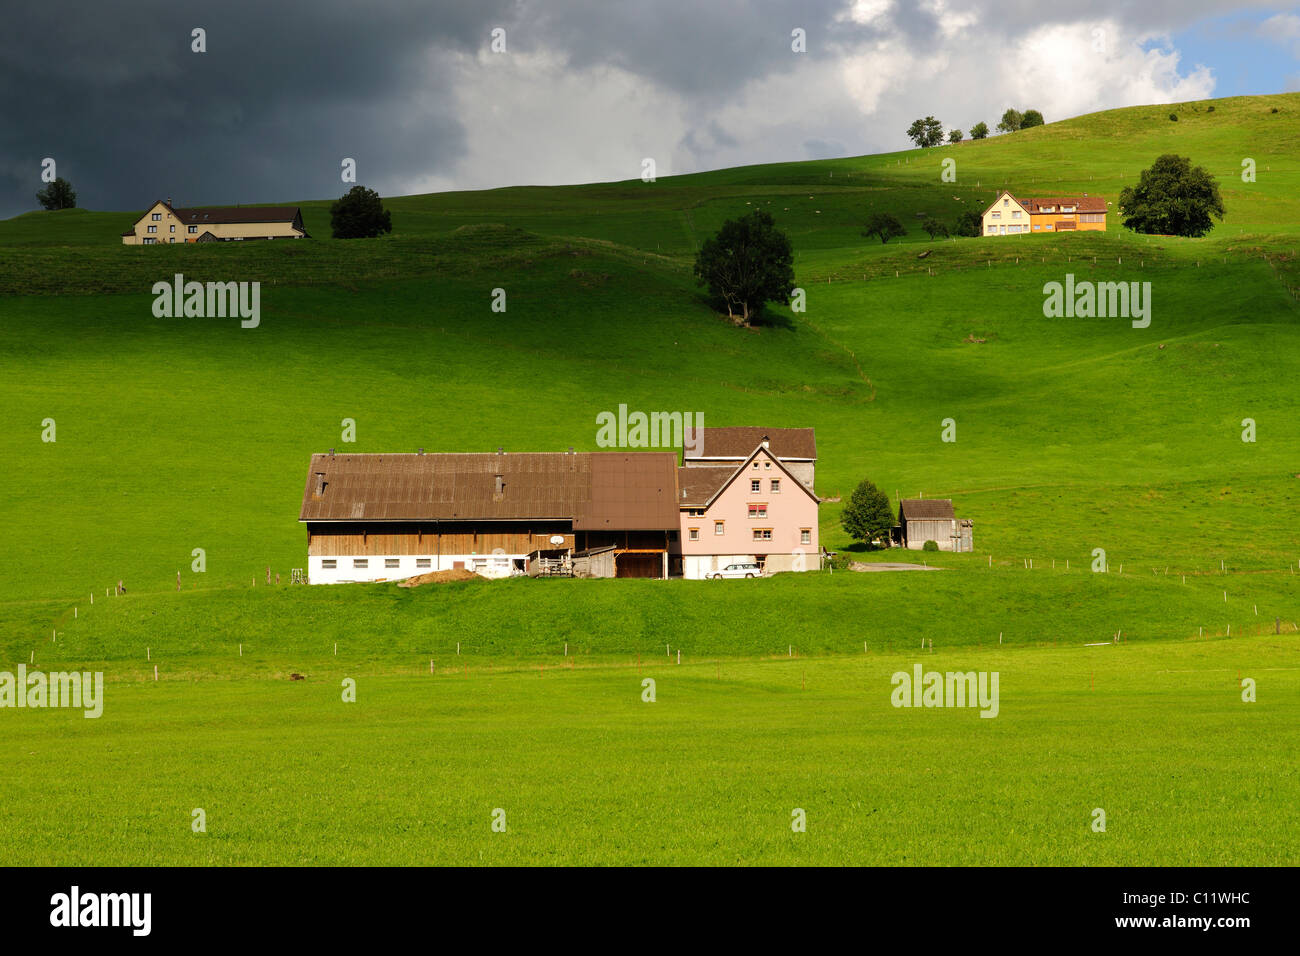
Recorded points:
(1172, 198)
(58, 195)
(359, 214)
(884, 226)
(746, 265)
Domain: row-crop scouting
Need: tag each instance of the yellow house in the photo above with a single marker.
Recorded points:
(1008, 215)
(164, 223)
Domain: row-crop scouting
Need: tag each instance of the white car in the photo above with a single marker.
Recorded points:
(738, 571)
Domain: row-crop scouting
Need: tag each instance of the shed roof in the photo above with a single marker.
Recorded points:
(596, 490)
(698, 484)
(913, 509)
(738, 443)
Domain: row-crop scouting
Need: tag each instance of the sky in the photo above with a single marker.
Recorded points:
(424, 99)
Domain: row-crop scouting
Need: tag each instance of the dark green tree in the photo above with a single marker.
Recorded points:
(926, 132)
(883, 225)
(934, 227)
(867, 517)
(1030, 119)
(746, 265)
(58, 195)
(359, 214)
(955, 136)
(1172, 198)
(970, 223)
(1011, 120)
(980, 130)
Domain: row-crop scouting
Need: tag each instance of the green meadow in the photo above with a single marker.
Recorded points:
(1073, 434)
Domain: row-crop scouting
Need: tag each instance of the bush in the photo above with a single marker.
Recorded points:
(930, 546)
(839, 561)
(1173, 117)
(1210, 109)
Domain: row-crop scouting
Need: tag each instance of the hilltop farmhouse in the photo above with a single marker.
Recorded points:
(164, 223)
(1007, 215)
(596, 514)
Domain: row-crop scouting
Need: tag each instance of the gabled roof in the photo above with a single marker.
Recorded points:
(913, 509)
(224, 214)
(703, 486)
(736, 443)
(698, 484)
(596, 490)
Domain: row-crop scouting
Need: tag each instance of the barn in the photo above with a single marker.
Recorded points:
(932, 519)
(383, 517)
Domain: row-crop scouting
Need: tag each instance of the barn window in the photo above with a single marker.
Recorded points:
(424, 562)
(329, 564)
(361, 562)
(392, 562)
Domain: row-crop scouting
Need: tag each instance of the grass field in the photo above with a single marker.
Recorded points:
(1072, 435)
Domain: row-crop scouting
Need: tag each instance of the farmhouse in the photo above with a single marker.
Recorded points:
(164, 223)
(747, 497)
(385, 517)
(932, 519)
(1008, 215)
(593, 514)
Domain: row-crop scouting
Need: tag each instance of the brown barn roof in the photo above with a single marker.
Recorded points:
(913, 509)
(233, 214)
(737, 443)
(609, 490)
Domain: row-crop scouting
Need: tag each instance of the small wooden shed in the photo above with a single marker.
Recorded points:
(932, 519)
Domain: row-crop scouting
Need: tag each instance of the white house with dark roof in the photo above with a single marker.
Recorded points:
(163, 223)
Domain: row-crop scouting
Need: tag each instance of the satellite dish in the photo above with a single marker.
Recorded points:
(557, 539)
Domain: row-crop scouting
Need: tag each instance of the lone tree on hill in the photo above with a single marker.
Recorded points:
(58, 195)
(926, 132)
(868, 516)
(1030, 119)
(1011, 120)
(1172, 198)
(955, 136)
(980, 130)
(885, 226)
(359, 214)
(746, 265)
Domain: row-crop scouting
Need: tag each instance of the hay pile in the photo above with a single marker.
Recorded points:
(439, 577)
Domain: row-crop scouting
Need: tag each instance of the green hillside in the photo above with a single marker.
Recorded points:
(1072, 435)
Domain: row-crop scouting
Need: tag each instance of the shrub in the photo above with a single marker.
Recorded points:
(1209, 109)
(930, 546)
(1173, 117)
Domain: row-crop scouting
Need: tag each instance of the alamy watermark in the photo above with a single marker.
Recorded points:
(78, 689)
(200, 300)
(653, 430)
(1086, 300)
(954, 689)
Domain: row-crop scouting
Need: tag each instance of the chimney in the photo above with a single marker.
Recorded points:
(570, 449)
(331, 452)
(420, 452)
(500, 451)
(320, 484)
(764, 441)
(500, 486)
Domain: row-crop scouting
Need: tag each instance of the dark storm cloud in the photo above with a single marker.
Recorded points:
(285, 90)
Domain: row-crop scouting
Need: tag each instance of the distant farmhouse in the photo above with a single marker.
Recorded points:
(1008, 215)
(932, 519)
(165, 223)
(593, 514)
